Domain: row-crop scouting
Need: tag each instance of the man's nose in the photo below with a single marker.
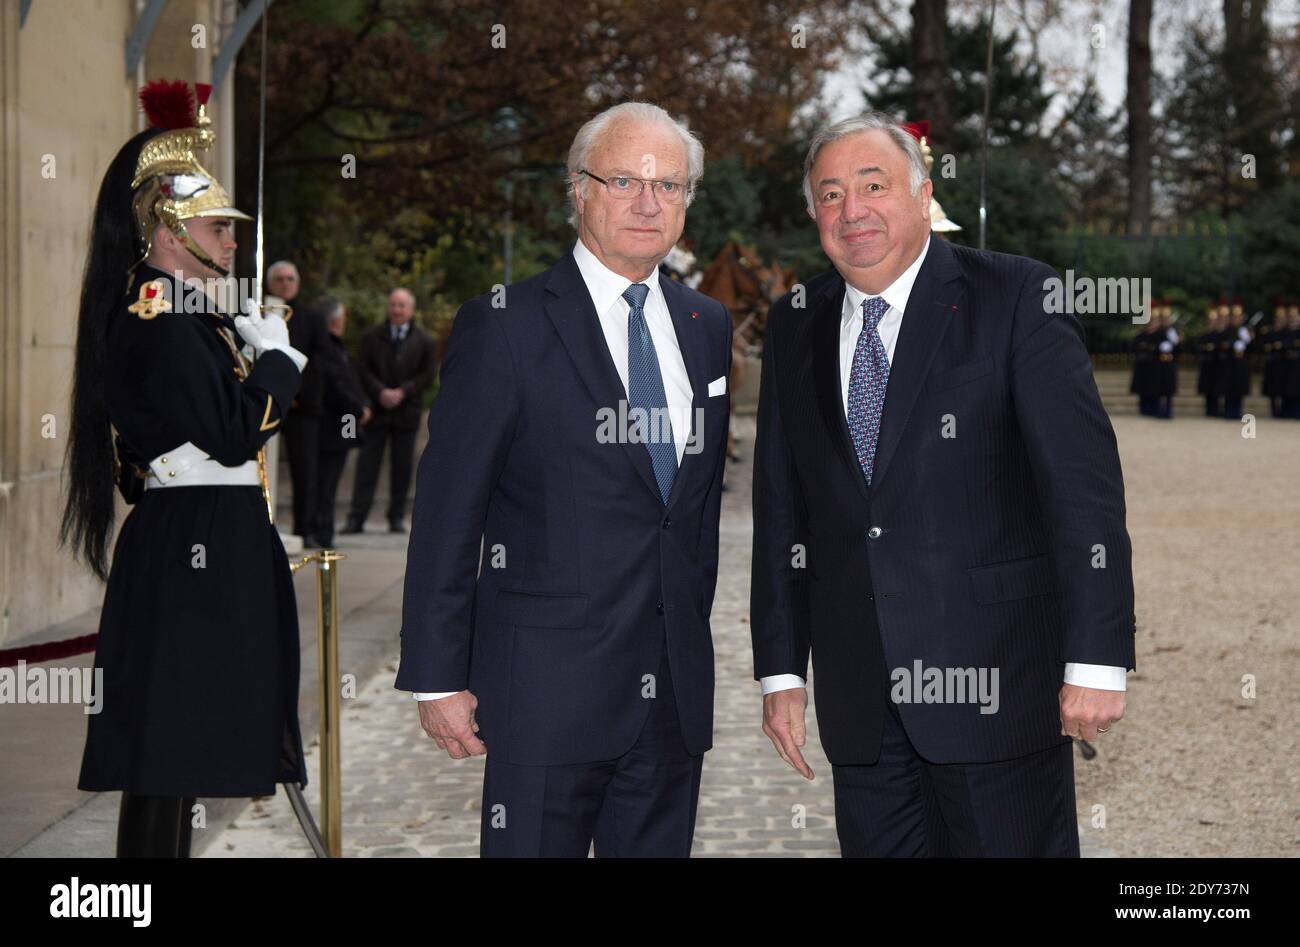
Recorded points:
(855, 207)
(647, 202)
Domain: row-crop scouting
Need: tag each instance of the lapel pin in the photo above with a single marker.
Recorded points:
(694, 314)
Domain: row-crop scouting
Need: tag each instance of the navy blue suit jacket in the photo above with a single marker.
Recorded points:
(585, 573)
(996, 488)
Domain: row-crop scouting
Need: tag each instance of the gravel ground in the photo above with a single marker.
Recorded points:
(1196, 767)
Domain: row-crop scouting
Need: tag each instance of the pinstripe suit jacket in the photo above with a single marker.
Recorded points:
(996, 493)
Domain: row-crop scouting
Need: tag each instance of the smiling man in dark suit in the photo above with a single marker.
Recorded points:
(578, 441)
(939, 518)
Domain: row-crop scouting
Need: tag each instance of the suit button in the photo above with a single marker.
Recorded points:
(874, 532)
(871, 596)
(668, 521)
(659, 607)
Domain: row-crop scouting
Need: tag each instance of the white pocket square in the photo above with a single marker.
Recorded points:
(718, 387)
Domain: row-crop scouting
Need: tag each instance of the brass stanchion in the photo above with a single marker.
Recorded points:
(327, 650)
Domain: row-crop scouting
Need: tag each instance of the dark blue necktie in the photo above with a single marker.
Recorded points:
(645, 390)
(867, 382)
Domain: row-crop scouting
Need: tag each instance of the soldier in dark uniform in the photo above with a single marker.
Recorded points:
(1272, 342)
(1237, 376)
(1143, 381)
(198, 636)
(1207, 352)
(1166, 362)
(1291, 358)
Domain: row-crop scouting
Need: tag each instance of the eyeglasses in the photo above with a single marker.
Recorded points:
(623, 188)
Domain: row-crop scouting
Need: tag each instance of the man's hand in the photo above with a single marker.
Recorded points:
(450, 722)
(391, 397)
(366, 415)
(783, 722)
(1086, 710)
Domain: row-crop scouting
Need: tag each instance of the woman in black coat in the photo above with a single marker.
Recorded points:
(198, 637)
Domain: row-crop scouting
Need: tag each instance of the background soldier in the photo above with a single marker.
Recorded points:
(1143, 383)
(1165, 369)
(1236, 384)
(1272, 341)
(1207, 352)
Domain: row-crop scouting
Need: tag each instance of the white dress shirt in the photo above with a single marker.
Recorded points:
(606, 289)
(1100, 676)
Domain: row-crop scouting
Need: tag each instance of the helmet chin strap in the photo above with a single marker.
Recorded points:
(189, 243)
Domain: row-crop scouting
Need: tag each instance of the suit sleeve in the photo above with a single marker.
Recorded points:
(418, 383)
(778, 610)
(708, 551)
(471, 427)
(366, 368)
(200, 399)
(1077, 475)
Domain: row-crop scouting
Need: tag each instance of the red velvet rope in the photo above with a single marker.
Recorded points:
(50, 651)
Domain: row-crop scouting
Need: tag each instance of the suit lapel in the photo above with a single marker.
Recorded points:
(691, 341)
(573, 314)
(827, 316)
(929, 310)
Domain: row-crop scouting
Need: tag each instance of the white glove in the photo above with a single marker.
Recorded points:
(1239, 346)
(1166, 347)
(267, 333)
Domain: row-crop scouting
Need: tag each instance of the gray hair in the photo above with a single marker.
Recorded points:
(589, 135)
(332, 309)
(871, 121)
(281, 265)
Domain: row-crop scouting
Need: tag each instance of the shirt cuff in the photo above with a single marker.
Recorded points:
(435, 696)
(780, 682)
(1102, 677)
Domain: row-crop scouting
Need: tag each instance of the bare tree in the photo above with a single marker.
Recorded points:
(1139, 117)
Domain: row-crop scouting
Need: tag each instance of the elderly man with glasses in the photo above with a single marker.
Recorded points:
(564, 546)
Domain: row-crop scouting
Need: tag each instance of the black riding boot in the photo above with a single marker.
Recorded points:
(154, 826)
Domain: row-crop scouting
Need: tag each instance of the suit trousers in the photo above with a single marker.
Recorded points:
(331, 470)
(904, 806)
(640, 805)
(378, 433)
(302, 443)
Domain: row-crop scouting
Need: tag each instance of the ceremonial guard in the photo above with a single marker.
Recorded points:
(1144, 374)
(1272, 341)
(1236, 382)
(1207, 353)
(1166, 361)
(174, 399)
(1291, 359)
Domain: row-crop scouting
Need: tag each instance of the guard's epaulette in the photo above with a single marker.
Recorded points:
(152, 301)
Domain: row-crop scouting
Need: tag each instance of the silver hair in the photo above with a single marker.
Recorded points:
(871, 121)
(589, 135)
(333, 309)
(280, 265)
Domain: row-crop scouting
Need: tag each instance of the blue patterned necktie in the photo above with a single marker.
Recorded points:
(645, 390)
(867, 382)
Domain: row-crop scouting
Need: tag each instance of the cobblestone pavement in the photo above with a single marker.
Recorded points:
(404, 797)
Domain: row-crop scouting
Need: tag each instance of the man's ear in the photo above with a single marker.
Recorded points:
(579, 202)
(926, 194)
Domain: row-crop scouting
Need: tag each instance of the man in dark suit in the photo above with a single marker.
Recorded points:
(346, 411)
(578, 439)
(302, 423)
(397, 361)
(939, 519)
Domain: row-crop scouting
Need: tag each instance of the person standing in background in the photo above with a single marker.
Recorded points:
(397, 362)
(345, 412)
(302, 424)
